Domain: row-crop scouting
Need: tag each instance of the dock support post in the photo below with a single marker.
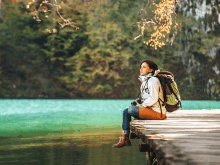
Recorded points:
(151, 157)
(150, 154)
(143, 147)
(133, 136)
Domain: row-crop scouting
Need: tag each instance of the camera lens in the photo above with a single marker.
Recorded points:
(133, 103)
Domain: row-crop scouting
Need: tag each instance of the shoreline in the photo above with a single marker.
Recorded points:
(92, 98)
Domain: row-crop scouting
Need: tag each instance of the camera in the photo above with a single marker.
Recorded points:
(134, 102)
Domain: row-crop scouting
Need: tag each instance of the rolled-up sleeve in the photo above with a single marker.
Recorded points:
(151, 97)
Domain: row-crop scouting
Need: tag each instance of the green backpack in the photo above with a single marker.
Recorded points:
(171, 95)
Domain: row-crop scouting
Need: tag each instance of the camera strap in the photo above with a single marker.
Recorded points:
(139, 95)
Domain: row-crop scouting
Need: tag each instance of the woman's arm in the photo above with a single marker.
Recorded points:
(151, 97)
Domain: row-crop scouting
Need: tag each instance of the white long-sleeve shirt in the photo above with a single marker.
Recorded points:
(151, 91)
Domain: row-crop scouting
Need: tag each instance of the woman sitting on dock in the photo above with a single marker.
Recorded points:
(149, 109)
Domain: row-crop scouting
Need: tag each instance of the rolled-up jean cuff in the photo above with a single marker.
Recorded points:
(126, 131)
(134, 111)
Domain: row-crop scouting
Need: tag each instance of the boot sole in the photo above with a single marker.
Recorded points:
(122, 146)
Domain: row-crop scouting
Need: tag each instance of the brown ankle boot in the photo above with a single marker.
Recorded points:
(123, 141)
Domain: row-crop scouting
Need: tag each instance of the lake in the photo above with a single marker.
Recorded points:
(70, 131)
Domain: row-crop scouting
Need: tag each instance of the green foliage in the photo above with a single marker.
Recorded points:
(101, 58)
(102, 65)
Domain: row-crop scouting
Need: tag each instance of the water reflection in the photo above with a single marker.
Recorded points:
(77, 149)
(106, 155)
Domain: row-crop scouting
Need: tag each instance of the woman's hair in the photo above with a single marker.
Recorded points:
(151, 64)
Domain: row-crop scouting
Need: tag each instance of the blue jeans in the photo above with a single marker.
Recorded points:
(127, 113)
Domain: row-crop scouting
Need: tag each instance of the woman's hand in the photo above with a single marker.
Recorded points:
(139, 105)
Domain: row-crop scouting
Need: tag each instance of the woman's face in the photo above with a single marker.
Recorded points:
(145, 69)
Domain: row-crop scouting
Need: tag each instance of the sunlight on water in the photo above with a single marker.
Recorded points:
(14, 106)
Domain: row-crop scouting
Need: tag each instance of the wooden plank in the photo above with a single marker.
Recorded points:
(185, 137)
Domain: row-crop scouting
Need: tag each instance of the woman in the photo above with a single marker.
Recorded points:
(150, 108)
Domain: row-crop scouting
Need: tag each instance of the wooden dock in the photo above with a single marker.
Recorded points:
(185, 137)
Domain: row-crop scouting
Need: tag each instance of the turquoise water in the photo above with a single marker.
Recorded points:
(76, 132)
(39, 115)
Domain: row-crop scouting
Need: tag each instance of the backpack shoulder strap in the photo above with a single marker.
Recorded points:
(163, 94)
(163, 86)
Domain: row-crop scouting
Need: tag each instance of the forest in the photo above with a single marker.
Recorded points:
(94, 55)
